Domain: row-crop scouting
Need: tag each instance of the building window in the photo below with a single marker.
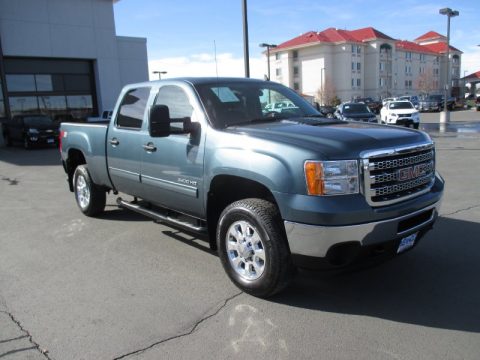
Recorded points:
(359, 49)
(296, 86)
(295, 54)
(353, 66)
(408, 84)
(277, 56)
(353, 49)
(422, 57)
(23, 105)
(382, 82)
(359, 66)
(359, 82)
(20, 83)
(278, 72)
(382, 66)
(408, 55)
(408, 69)
(353, 83)
(295, 70)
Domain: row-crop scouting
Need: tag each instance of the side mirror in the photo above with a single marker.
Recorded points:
(159, 121)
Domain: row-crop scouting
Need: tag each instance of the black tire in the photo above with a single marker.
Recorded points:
(260, 217)
(90, 197)
(26, 144)
(7, 139)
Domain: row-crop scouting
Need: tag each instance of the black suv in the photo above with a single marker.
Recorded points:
(31, 130)
(373, 105)
(355, 111)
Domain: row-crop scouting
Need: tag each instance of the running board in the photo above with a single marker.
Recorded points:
(160, 217)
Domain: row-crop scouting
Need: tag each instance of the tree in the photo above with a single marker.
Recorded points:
(327, 94)
(426, 83)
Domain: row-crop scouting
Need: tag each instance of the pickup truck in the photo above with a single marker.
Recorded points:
(270, 191)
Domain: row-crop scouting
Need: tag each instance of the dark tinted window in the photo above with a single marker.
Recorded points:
(178, 104)
(355, 108)
(132, 108)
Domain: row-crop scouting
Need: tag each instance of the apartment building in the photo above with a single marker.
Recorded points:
(363, 63)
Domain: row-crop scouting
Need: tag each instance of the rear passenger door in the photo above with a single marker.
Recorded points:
(124, 141)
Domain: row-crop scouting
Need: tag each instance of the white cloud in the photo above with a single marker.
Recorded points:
(204, 65)
(471, 60)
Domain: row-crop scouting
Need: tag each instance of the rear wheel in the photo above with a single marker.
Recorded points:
(90, 197)
(253, 248)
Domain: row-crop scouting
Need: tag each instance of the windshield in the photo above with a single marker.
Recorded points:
(241, 102)
(41, 121)
(401, 105)
(355, 109)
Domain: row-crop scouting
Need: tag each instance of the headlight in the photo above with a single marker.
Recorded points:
(33, 131)
(331, 177)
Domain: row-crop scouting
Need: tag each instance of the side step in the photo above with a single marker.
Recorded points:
(156, 215)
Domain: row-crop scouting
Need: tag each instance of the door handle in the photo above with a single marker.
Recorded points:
(149, 147)
(114, 142)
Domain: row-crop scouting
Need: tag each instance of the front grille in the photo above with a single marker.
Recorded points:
(397, 175)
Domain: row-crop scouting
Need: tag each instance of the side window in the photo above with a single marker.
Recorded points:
(132, 109)
(178, 104)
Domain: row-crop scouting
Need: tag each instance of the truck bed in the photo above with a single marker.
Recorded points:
(90, 139)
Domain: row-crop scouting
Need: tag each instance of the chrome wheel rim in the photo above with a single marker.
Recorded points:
(245, 250)
(83, 192)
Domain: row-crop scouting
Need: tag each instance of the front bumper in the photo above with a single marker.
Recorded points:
(341, 245)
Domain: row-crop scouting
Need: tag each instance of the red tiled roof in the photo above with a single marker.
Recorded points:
(411, 46)
(440, 47)
(429, 36)
(369, 33)
(332, 35)
(475, 75)
(307, 38)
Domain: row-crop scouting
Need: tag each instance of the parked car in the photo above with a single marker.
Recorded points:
(326, 110)
(412, 98)
(355, 112)
(373, 105)
(280, 106)
(270, 193)
(435, 103)
(31, 130)
(384, 101)
(400, 113)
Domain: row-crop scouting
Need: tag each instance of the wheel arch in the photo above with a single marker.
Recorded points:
(75, 157)
(226, 189)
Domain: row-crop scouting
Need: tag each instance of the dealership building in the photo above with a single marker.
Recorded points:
(62, 58)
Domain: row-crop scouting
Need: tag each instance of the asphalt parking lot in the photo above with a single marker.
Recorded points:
(124, 287)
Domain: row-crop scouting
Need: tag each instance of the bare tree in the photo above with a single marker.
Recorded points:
(327, 94)
(426, 83)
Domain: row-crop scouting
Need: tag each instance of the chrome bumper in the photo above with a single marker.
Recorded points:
(315, 241)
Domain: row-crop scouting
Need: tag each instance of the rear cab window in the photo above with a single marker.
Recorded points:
(132, 109)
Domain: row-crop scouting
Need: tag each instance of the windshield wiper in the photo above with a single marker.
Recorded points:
(269, 118)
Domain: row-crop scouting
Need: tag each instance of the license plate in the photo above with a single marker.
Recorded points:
(50, 141)
(407, 243)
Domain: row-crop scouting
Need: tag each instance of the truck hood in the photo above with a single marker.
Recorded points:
(332, 139)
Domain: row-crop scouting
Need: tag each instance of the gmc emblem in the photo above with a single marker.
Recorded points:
(413, 172)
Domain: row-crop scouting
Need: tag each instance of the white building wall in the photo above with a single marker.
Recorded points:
(80, 29)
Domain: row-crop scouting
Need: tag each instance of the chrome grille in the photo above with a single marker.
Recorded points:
(395, 175)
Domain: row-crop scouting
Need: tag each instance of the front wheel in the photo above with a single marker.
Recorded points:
(253, 248)
(90, 197)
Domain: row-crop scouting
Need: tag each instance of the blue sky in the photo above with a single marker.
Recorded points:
(181, 34)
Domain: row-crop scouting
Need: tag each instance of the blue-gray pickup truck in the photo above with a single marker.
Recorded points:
(270, 190)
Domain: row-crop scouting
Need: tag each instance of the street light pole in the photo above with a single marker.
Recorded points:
(268, 46)
(159, 74)
(245, 39)
(445, 117)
